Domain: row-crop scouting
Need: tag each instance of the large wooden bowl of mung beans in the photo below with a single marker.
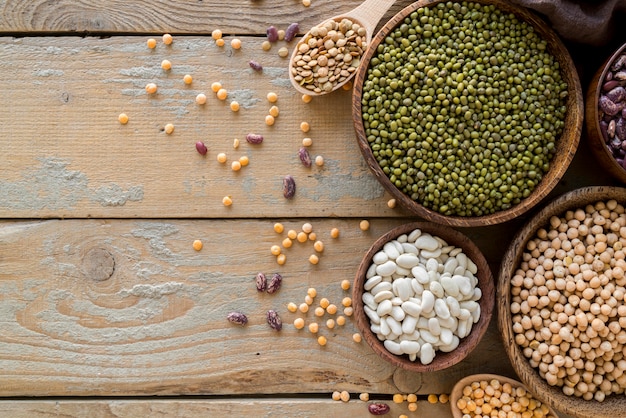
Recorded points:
(560, 303)
(452, 242)
(467, 113)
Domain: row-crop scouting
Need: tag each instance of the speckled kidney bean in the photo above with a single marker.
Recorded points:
(612, 108)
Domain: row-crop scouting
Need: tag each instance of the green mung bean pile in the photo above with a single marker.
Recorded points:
(462, 106)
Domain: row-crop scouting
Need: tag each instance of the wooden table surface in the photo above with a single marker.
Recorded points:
(106, 309)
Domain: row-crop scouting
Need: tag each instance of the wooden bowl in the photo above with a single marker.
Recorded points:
(593, 115)
(485, 283)
(612, 406)
(457, 390)
(566, 144)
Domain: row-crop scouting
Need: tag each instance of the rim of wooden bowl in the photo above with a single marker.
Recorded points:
(592, 121)
(612, 406)
(566, 145)
(485, 283)
(457, 390)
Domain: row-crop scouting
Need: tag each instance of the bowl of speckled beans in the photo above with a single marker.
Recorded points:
(423, 296)
(467, 113)
(561, 303)
(605, 114)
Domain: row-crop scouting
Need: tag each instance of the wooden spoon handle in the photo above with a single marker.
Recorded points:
(369, 13)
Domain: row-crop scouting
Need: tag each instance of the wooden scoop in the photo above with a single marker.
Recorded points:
(367, 15)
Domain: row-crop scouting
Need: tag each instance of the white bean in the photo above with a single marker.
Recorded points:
(437, 289)
(445, 338)
(380, 257)
(384, 327)
(384, 308)
(393, 347)
(464, 314)
(394, 325)
(391, 250)
(398, 246)
(461, 259)
(414, 235)
(427, 242)
(371, 282)
(401, 271)
(449, 285)
(471, 266)
(409, 347)
(451, 323)
(428, 301)
(427, 336)
(432, 265)
(381, 287)
(410, 248)
(402, 238)
(380, 296)
(368, 300)
(431, 254)
(459, 270)
(386, 269)
(371, 271)
(476, 314)
(463, 283)
(412, 308)
(452, 346)
(421, 274)
(371, 314)
(416, 286)
(402, 288)
(397, 313)
(441, 309)
(450, 264)
(427, 353)
(408, 324)
(407, 260)
(453, 306)
(434, 327)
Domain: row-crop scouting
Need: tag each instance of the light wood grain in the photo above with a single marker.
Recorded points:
(66, 155)
(293, 407)
(178, 16)
(123, 307)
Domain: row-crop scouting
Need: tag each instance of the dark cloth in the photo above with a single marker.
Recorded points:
(583, 21)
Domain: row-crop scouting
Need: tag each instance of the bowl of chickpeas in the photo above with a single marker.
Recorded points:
(494, 396)
(467, 127)
(561, 302)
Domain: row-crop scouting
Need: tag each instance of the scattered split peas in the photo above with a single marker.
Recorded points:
(234, 106)
(345, 284)
(169, 128)
(306, 98)
(123, 118)
(166, 65)
(187, 79)
(298, 323)
(216, 86)
(222, 94)
(151, 88)
(152, 43)
(274, 112)
(292, 307)
(364, 225)
(221, 158)
(281, 259)
(305, 127)
(227, 201)
(319, 161)
(235, 43)
(216, 34)
(219, 42)
(306, 3)
(269, 120)
(197, 245)
(272, 97)
(321, 340)
(201, 99)
(307, 142)
(167, 39)
(279, 228)
(334, 233)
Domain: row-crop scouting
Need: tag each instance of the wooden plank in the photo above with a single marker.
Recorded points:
(67, 156)
(296, 408)
(177, 16)
(127, 307)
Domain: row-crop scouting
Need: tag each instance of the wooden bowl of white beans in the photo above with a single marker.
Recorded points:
(561, 303)
(423, 296)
